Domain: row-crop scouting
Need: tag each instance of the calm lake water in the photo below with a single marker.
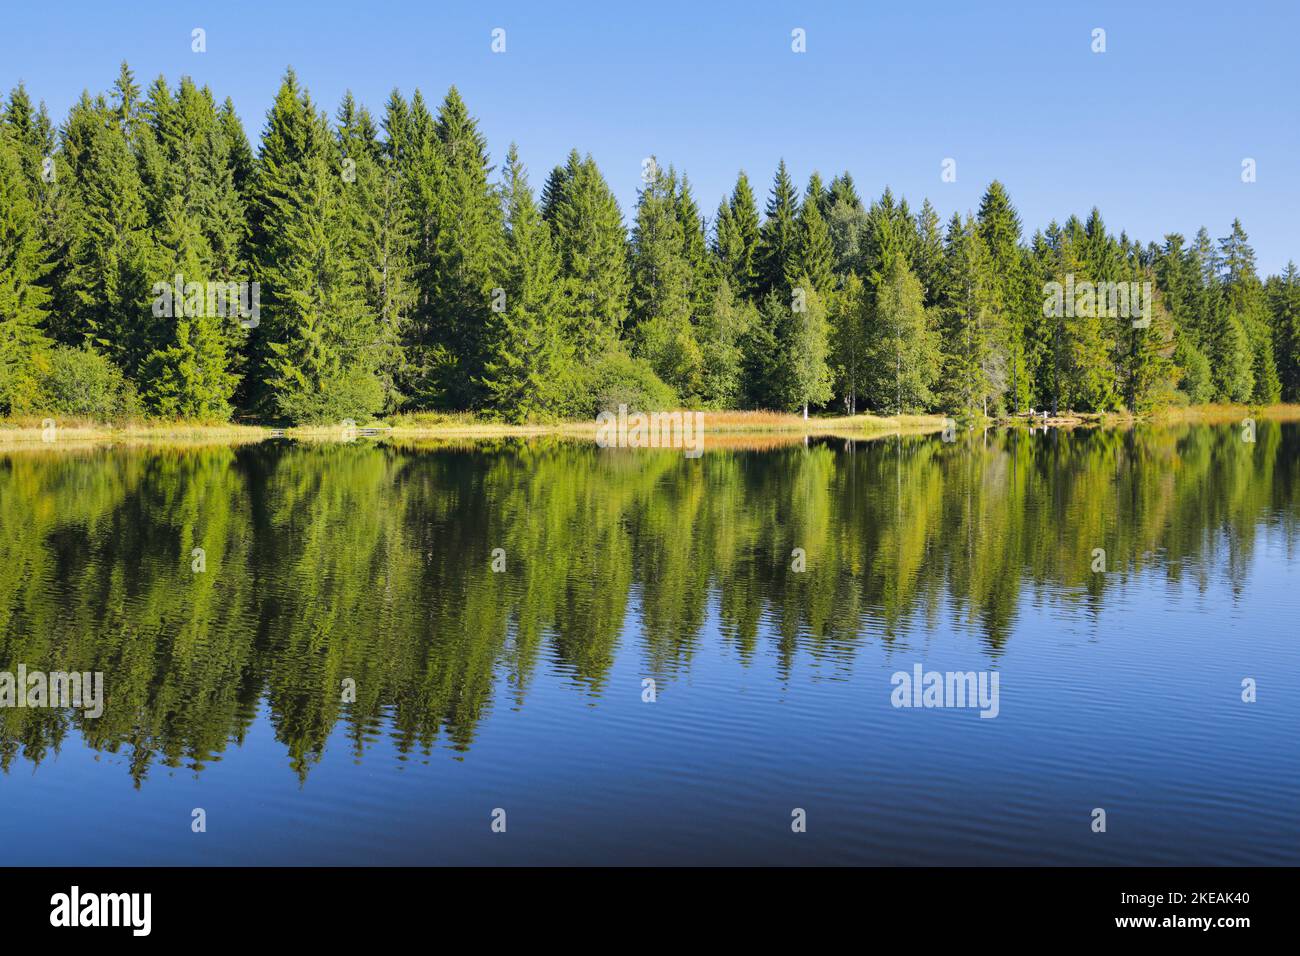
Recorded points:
(523, 687)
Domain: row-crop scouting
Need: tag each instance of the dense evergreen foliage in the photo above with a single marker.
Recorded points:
(398, 269)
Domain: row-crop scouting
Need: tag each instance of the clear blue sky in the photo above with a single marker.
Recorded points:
(1153, 131)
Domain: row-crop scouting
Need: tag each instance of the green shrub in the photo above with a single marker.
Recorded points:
(353, 394)
(619, 379)
(1197, 381)
(82, 383)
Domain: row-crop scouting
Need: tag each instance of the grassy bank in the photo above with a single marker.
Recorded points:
(715, 423)
(459, 426)
(721, 429)
(77, 431)
(1217, 414)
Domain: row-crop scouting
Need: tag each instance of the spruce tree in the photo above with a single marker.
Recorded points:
(239, 154)
(382, 235)
(324, 354)
(593, 248)
(25, 139)
(695, 248)
(971, 379)
(1090, 380)
(999, 230)
(737, 240)
(661, 287)
(1203, 276)
(318, 348)
(1147, 372)
(188, 374)
(815, 257)
(1245, 301)
(458, 228)
(778, 246)
(888, 235)
(110, 259)
(724, 245)
(553, 189)
(842, 191)
(1284, 301)
(764, 365)
(530, 371)
(295, 144)
(1234, 364)
(929, 252)
(53, 197)
(23, 300)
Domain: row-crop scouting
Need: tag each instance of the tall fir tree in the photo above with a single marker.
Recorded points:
(383, 235)
(187, 375)
(695, 249)
(973, 376)
(1284, 301)
(23, 300)
(815, 255)
(295, 140)
(53, 198)
(998, 225)
(111, 255)
(324, 355)
(661, 287)
(1147, 374)
(1246, 305)
(530, 372)
(553, 189)
(593, 248)
(736, 239)
(778, 245)
(928, 258)
(317, 348)
(458, 217)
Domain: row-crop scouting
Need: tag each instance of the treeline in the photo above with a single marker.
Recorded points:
(390, 552)
(397, 270)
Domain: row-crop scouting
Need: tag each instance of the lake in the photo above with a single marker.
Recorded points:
(543, 651)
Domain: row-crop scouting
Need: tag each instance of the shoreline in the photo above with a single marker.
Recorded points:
(776, 427)
(455, 427)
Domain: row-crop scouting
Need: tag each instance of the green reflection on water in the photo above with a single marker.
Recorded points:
(326, 562)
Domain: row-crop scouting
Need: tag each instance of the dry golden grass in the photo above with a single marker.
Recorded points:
(1219, 414)
(722, 429)
(24, 432)
(783, 427)
(1211, 414)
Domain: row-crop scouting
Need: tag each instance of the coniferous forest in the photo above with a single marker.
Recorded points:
(398, 269)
